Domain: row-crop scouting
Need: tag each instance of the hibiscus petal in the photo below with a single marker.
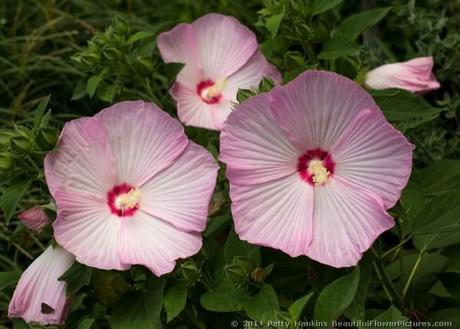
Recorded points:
(250, 75)
(224, 43)
(253, 146)
(39, 285)
(347, 220)
(276, 214)
(374, 155)
(181, 193)
(154, 243)
(315, 108)
(86, 228)
(84, 162)
(191, 109)
(143, 138)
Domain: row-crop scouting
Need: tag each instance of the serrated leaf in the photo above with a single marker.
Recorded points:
(225, 297)
(438, 224)
(296, 308)
(264, 305)
(40, 110)
(175, 300)
(273, 23)
(356, 24)
(86, 323)
(76, 277)
(11, 197)
(402, 106)
(441, 177)
(92, 84)
(321, 6)
(235, 247)
(336, 297)
(392, 318)
(140, 309)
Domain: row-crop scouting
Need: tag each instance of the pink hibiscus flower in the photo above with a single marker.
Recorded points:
(130, 188)
(39, 296)
(312, 167)
(220, 55)
(415, 76)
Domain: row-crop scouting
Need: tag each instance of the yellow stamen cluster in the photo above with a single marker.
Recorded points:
(129, 200)
(318, 171)
(214, 90)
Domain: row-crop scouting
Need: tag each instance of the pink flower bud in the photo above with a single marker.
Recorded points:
(35, 218)
(415, 76)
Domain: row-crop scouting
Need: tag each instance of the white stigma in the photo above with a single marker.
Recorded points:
(318, 171)
(128, 200)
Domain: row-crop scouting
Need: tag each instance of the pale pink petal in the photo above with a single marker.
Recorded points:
(34, 218)
(39, 287)
(276, 214)
(225, 44)
(415, 76)
(347, 220)
(179, 45)
(374, 155)
(315, 108)
(253, 146)
(191, 109)
(220, 112)
(150, 241)
(250, 75)
(86, 228)
(84, 161)
(143, 138)
(181, 193)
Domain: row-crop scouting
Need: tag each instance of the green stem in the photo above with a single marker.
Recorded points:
(395, 297)
(412, 273)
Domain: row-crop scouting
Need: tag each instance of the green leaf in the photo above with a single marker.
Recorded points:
(86, 323)
(296, 308)
(441, 177)
(40, 110)
(338, 46)
(76, 277)
(19, 324)
(8, 278)
(356, 311)
(446, 315)
(336, 297)
(11, 197)
(106, 93)
(320, 6)
(263, 306)
(392, 316)
(438, 224)
(140, 309)
(172, 70)
(235, 247)
(140, 36)
(402, 106)
(356, 24)
(273, 23)
(92, 84)
(225, 297)
(80, 90)
(451, 282)
(175, 300)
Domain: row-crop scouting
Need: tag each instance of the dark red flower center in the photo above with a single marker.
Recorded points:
(123, 200)
(209, 91)
(315, 166)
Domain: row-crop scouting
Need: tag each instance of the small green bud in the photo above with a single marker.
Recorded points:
(6, 161)
(21, 141)
(189, 271)
(47, 138)
(5, 138)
